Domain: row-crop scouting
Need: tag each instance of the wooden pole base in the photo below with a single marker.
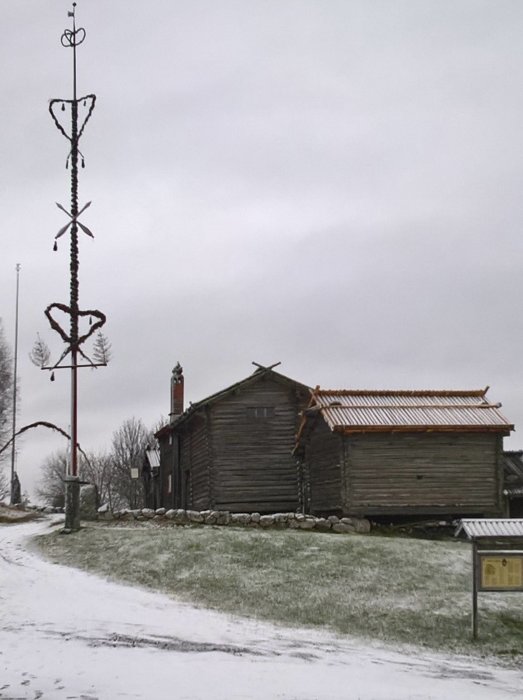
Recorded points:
(72, 504)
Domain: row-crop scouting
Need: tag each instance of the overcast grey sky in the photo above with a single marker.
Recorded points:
(335, 185)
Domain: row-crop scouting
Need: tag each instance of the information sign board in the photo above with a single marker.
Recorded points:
(500, 571)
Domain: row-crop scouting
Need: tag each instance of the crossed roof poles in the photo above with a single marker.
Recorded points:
(81, 109)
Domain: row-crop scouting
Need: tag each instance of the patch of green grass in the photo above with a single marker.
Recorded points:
(384, 588)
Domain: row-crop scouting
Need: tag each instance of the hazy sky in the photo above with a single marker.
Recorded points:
(335, 185)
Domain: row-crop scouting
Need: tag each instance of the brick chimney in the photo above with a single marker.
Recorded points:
(176, 392)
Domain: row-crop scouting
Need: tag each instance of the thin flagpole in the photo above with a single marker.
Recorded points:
(15, 496)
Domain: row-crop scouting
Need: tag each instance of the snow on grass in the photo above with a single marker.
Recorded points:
(383, 588)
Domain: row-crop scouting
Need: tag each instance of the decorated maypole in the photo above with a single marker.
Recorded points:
(80, 110)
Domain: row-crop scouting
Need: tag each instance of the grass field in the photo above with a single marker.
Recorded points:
(383, 588)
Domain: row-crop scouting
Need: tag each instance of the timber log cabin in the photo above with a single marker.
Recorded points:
(402, 453)
(233, 450)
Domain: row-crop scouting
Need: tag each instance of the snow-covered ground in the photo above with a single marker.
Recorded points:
(66, 634)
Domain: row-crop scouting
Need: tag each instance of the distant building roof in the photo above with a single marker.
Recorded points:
(513, 473)
(513, 466)
(384, 411)
(153, 458)
(475, 528)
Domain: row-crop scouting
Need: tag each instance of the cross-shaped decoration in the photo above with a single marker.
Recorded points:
(74, 220)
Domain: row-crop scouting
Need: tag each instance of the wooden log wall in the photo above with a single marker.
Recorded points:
(195, 463)
(323, 470)
(253, 465)
(423, 473)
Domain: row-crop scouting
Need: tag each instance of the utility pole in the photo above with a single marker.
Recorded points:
(15, 483)
(81, 110)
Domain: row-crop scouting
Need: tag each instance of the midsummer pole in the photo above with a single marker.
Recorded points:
(71, 38)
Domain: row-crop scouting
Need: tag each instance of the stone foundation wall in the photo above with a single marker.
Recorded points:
(296, 521)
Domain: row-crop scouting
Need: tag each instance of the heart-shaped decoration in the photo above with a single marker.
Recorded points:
(54, 105)
(67, 310)
(70, 38)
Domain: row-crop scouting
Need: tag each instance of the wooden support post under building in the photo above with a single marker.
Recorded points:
(474, 590)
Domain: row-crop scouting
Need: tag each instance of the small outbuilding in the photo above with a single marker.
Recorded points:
(233, 450)
(513, 486)
(402, 453)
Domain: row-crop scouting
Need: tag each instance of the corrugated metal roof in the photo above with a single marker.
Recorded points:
(354, 410)
(486, 527)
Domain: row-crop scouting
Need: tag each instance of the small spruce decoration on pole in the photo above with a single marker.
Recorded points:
(80, 109)
(40, 355)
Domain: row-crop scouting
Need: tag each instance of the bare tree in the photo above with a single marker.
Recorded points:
(99, 470)
(94, 468)
(112, 473)
(51, 486)
(6, 389)
(6, 411)
(128, 447)
(5, 486)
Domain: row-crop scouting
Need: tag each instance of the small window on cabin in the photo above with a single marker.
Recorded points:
(170, 439)
(260, 412)
(170, 483)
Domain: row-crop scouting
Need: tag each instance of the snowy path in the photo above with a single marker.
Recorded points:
(65, 634)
